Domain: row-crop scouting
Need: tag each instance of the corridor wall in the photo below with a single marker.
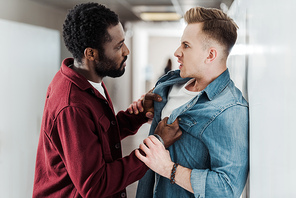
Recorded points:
(30, 56)
(264, 60)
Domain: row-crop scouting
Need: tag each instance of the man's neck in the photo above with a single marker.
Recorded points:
(87, 71)
(197, 85)
(200, 84)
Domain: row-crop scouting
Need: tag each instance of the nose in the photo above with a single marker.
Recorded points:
(125, 50)
(178, 52)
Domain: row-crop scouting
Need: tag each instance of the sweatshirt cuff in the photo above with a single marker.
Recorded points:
(159, 138)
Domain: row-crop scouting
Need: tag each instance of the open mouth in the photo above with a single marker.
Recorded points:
(180, 66)
(123, 63)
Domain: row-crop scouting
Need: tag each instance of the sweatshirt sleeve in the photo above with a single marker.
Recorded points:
(130, 123)
(82, 153)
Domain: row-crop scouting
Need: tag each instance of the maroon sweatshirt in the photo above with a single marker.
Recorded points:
(79, 151)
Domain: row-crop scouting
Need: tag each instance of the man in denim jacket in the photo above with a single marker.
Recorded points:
(211, 158)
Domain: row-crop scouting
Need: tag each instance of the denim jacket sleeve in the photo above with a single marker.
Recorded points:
(226, 139)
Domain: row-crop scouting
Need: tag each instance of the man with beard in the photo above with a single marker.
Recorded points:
(79, 151)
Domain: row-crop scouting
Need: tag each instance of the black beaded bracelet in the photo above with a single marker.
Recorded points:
(173, 173)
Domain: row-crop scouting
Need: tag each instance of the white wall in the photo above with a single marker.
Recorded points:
(34, 13)
(270, 39)
(31, 12)
(30, 56)
(161, 48)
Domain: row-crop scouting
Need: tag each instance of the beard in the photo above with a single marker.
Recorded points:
(108, 67)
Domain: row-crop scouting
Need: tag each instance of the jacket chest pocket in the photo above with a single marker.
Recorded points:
(186, 122)
(103, 128)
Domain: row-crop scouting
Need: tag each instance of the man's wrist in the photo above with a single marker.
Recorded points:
(173, 173)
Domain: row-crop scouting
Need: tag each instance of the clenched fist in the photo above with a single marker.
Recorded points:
(169, 133)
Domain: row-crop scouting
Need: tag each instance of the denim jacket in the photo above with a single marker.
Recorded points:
(214, 143)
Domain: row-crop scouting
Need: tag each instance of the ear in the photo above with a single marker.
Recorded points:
(90, 54)
(213, 53)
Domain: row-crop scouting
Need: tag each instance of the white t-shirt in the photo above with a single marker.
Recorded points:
(99, 87)
(178, 96)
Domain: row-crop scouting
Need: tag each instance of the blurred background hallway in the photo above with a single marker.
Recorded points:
(261, 65)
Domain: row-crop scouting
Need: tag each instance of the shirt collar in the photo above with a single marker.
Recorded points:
(218, 85)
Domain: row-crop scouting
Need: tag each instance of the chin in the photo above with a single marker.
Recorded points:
(182, 74)
(117, 73)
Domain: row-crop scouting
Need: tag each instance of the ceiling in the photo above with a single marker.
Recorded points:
(130, 10)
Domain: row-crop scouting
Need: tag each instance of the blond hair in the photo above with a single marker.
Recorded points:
(216, 25)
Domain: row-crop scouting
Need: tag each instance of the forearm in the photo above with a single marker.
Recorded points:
(130, 123)
(182, 178)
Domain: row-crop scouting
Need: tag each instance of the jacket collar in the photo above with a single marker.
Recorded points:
(81, 82)
(218, 85)
(173, 75)
(76, 78)
(213, 89)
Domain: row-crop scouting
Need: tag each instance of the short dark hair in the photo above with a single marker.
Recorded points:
(86, 26)
(216, 25)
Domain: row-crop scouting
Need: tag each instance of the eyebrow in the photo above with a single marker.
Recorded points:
(122, 41)
(119, 43)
